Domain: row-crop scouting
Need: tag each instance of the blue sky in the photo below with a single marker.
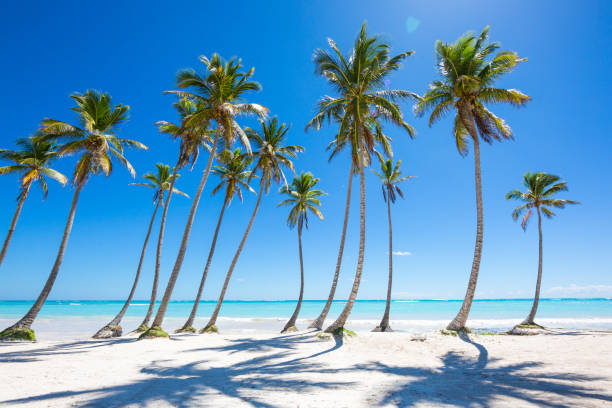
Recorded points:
(133, 51)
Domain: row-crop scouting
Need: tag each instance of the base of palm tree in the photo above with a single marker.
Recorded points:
(210, 329)
(141, 329)
(17, 335)
(316, 325)
(186, 329)
(460, 332)
(289, 329)
(342, 332)
(108, 332)
(153, 333)
(386, 329)
(529, 329)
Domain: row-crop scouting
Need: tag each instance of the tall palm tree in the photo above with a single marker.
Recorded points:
(191, 140)
(31, 162)
(540, 189)
(160, 183)
(468, 70)
(95, 140)
(234, 175)
(362, 103)
(390, 176)
(303, 198)
(218, 95)
(270, 158)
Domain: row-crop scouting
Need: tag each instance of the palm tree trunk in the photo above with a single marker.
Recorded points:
(7, 240)
(293, 319)
(384, 323)
(318, 322)
(27, 320)
(458, 323)
(161, 312)
(536, 298)
(213, 319)
(160, 242)
(188, 326)
(112, 329)
(341, 321)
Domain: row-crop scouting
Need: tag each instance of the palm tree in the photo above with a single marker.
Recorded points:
(234, 175)
(191, 140)
(540, 189)
(31, 162)
(468, 71)
(97, 143)
(218, 94)
(303, 197)
(159, 182)
(390, 176)
(359, 79)
(271, 156)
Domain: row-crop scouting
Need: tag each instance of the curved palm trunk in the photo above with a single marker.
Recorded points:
(213, 319)
(161, 312)
(160, 242)
(536, 299)
(188, 326)
(458, 323)
(318, 322)
(112, 329)
(27, 320)
(341, 320)
(9, 235)
(384, 323)
(291, 323)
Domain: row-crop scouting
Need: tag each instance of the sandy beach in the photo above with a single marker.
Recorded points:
(562, 368)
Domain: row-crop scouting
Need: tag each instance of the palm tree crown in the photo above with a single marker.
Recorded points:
(192, 138)
(390, 176)
(303, 198)
(540, 188)
(271, 155)
(31, 162)
(95, 137)
(218, 93)
(234, 173)
(161, 181)
(468, 71)
(359, 80)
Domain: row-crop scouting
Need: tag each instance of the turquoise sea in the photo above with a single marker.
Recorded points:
(61, 319)
(426, 309)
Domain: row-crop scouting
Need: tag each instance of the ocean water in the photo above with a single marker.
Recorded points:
(68, 319)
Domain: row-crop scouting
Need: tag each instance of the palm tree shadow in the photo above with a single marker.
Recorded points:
(465, 382)
(74, 347)
(189, 384)
(249, 344)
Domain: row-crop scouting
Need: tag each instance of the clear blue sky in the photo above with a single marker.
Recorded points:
(133, 51)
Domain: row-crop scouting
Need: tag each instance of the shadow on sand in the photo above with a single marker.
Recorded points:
(462, 380)
(73, 347)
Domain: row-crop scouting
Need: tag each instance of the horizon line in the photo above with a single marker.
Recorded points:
(310, 300)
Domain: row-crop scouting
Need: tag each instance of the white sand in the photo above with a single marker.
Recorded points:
(373, 369)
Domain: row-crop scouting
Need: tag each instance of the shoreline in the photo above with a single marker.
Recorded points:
(67, 328)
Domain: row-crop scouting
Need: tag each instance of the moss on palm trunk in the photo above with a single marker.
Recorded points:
(153, 333)
(187, 329)
(142, 328)
(289, 329)
(210, 329)
(17, 335)
(463, 331)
